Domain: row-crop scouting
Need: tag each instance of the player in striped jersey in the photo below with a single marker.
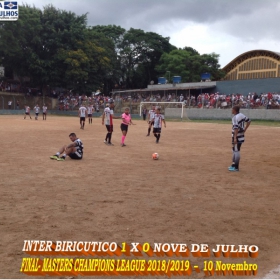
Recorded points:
(240, 124)
(73, 150)
(150, 118)
(82, 115)
(158, 120)
(45, 108)
(27, 112)
(90, 111)
(107, 119)
(37, 111)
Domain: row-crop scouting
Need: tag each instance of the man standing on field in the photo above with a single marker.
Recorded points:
(107, 119)
(240, 124)
(45, 108)
(82, 115)
(151, 115)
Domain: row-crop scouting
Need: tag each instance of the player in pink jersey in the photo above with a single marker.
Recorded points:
(126, 121)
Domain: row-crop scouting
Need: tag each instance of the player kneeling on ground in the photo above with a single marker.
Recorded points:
(73, 150)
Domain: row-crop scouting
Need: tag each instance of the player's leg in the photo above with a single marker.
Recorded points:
(235, 157)
(124, 129)
(110, 132)
(81, 122)
(69, 152)
(60, 151)
(149, 129)
(159, 133)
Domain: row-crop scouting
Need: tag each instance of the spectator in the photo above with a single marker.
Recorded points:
(10, 104)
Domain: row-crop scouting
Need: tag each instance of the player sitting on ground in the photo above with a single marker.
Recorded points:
(73, 150)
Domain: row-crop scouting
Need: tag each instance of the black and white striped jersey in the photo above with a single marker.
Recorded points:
(79, 146)
(238, 122)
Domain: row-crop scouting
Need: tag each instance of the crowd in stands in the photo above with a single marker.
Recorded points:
(210, 100)
(69, 101)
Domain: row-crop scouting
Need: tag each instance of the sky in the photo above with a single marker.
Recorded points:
(226, 27)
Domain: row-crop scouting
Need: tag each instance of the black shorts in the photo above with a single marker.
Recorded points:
(27, 113)
(109, 128)
(89, 115)
(75, 156)
(44, 113)
(157, 130)
(82, 118)
(151, 123)
(37, 114)
(236, 147)
(124, 127)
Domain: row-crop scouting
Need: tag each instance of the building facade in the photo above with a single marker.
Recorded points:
(256, 64)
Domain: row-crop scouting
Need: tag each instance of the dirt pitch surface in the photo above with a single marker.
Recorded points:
(119, 194)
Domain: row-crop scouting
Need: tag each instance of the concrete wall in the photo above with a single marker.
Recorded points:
(221, 114)
(246, 86)
(50, 112)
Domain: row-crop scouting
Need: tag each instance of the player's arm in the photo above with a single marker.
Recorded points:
(103, 116)
(148, 117)
(235, 135)
(74, 144)
(247, 125)
(164, 122)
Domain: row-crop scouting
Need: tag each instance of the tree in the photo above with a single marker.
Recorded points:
(189, 64)
(20, 42)
(139, 53)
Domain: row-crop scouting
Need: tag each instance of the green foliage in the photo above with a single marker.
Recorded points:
(189, 64)
(56, 48)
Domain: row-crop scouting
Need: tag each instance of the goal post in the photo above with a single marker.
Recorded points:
(165, 105)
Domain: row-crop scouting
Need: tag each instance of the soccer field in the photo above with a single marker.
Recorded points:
(119, 194)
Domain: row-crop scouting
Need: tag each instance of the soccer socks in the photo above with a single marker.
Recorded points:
(58, 154)
(109, 137)
(123, 138)
(236, 158)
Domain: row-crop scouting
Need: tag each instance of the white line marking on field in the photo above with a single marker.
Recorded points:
(273, 274)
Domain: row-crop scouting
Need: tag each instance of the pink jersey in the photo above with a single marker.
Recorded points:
(126, 118)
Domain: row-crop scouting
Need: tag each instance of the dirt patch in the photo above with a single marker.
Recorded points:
(119, 194)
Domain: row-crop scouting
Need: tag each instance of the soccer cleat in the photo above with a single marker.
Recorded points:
(105, 142)
(123, 145)
(230, 167)
(233, 169)
(54, 157)
(110, 144)
(61, 158)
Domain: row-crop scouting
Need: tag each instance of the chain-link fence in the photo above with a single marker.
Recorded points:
(18, 101)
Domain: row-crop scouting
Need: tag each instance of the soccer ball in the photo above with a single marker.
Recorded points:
(155, 156)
